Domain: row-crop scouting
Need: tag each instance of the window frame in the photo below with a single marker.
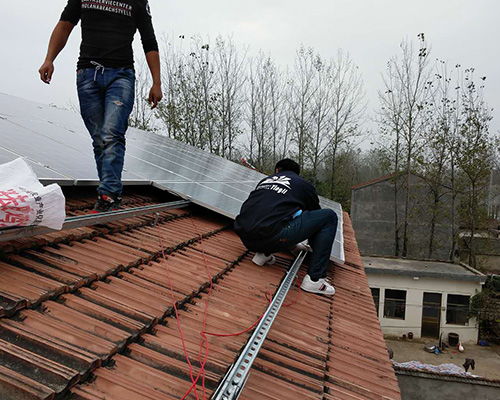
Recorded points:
(376, 299)
(392, 304)
(457, 310)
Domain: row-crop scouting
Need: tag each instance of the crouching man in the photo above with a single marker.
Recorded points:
(282, 212)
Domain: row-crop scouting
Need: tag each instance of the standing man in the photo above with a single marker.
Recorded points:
(106, 79)
(283, 211)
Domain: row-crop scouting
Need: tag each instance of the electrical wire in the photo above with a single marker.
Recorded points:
(177, 317)
(204, 348)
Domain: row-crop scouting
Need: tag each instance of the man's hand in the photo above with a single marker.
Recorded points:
(155, 95)
(58, 40)
(46, 71)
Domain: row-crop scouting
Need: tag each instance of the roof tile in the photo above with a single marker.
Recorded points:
(111, 326)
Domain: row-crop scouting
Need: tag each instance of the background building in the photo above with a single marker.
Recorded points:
(373, 217)
(430, 229)
(427, 298)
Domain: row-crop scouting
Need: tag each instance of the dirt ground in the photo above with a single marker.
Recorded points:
(487, 358)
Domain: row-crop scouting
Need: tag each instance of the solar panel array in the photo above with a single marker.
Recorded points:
(56, 144)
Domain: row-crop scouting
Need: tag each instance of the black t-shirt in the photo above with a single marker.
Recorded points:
(273, 202)
(108, 29)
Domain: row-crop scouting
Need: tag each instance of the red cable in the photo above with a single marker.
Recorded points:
(293, 302)
(204, 340)
(177, 318)
(234, 334)
(204, 343)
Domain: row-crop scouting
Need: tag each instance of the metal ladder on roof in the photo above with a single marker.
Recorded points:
(233, 382)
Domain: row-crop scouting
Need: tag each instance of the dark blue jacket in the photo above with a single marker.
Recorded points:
(272, 204)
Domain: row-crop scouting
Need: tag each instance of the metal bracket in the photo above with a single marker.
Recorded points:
(232, 384)
(91, 219)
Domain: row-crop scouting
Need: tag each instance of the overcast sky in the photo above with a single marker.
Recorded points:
(460, 31)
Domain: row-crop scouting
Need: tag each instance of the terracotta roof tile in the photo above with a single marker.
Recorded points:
(356, 341)
(14, 385)
(102, 323)
(33, 276)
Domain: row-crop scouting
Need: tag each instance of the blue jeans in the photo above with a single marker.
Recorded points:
(106, 100)
(319, 226)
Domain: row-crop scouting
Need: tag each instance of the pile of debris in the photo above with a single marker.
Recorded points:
(449, 369)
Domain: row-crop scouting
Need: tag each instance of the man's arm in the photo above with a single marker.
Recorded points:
(155, 94)
(58, 40)
(312, 199)
(150, 46)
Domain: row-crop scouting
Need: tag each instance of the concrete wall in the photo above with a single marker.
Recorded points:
(489, 264)
(414, 303)
(487, 253)
(372, 213)
(426, 387)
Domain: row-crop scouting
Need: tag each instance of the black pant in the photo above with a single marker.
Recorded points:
(319, 226)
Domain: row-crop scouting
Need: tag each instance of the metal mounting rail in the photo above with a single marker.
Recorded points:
(91, 219)
(233, 382)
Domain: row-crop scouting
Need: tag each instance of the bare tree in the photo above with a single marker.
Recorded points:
(191, 104)
(475, 154)
(278, 123)
(260, 79)
(409, 75)
(188, 111)
(302, 93)
(439, 155)
(230, 67)
(166, 111)
(348, 105)
(265, 111)
(434, 157)
(391, 127)
(287, 116)
(321, 110)
(203, 70)
(451, 122)
(142, 116)
(252, 109)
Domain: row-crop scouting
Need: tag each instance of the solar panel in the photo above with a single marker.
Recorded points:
(338, 245)
(51, 176)
(197, 166)
(67, 155)
(58, 147)
(205, 195)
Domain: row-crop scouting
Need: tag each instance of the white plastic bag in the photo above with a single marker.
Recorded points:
(24, 201)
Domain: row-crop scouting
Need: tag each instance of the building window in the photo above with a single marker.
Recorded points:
(395, 304)
(376, 297)
(457, 309)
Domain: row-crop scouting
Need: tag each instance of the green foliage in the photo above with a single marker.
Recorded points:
(485, 306)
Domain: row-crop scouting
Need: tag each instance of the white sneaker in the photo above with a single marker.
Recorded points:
(322, 286)
(261, 259)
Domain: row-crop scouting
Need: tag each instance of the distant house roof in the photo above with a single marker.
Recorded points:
(376, 180)
(429, 269)
(87, 313)
(392, 176)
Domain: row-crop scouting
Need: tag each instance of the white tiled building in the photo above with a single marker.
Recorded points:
(426, 298)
